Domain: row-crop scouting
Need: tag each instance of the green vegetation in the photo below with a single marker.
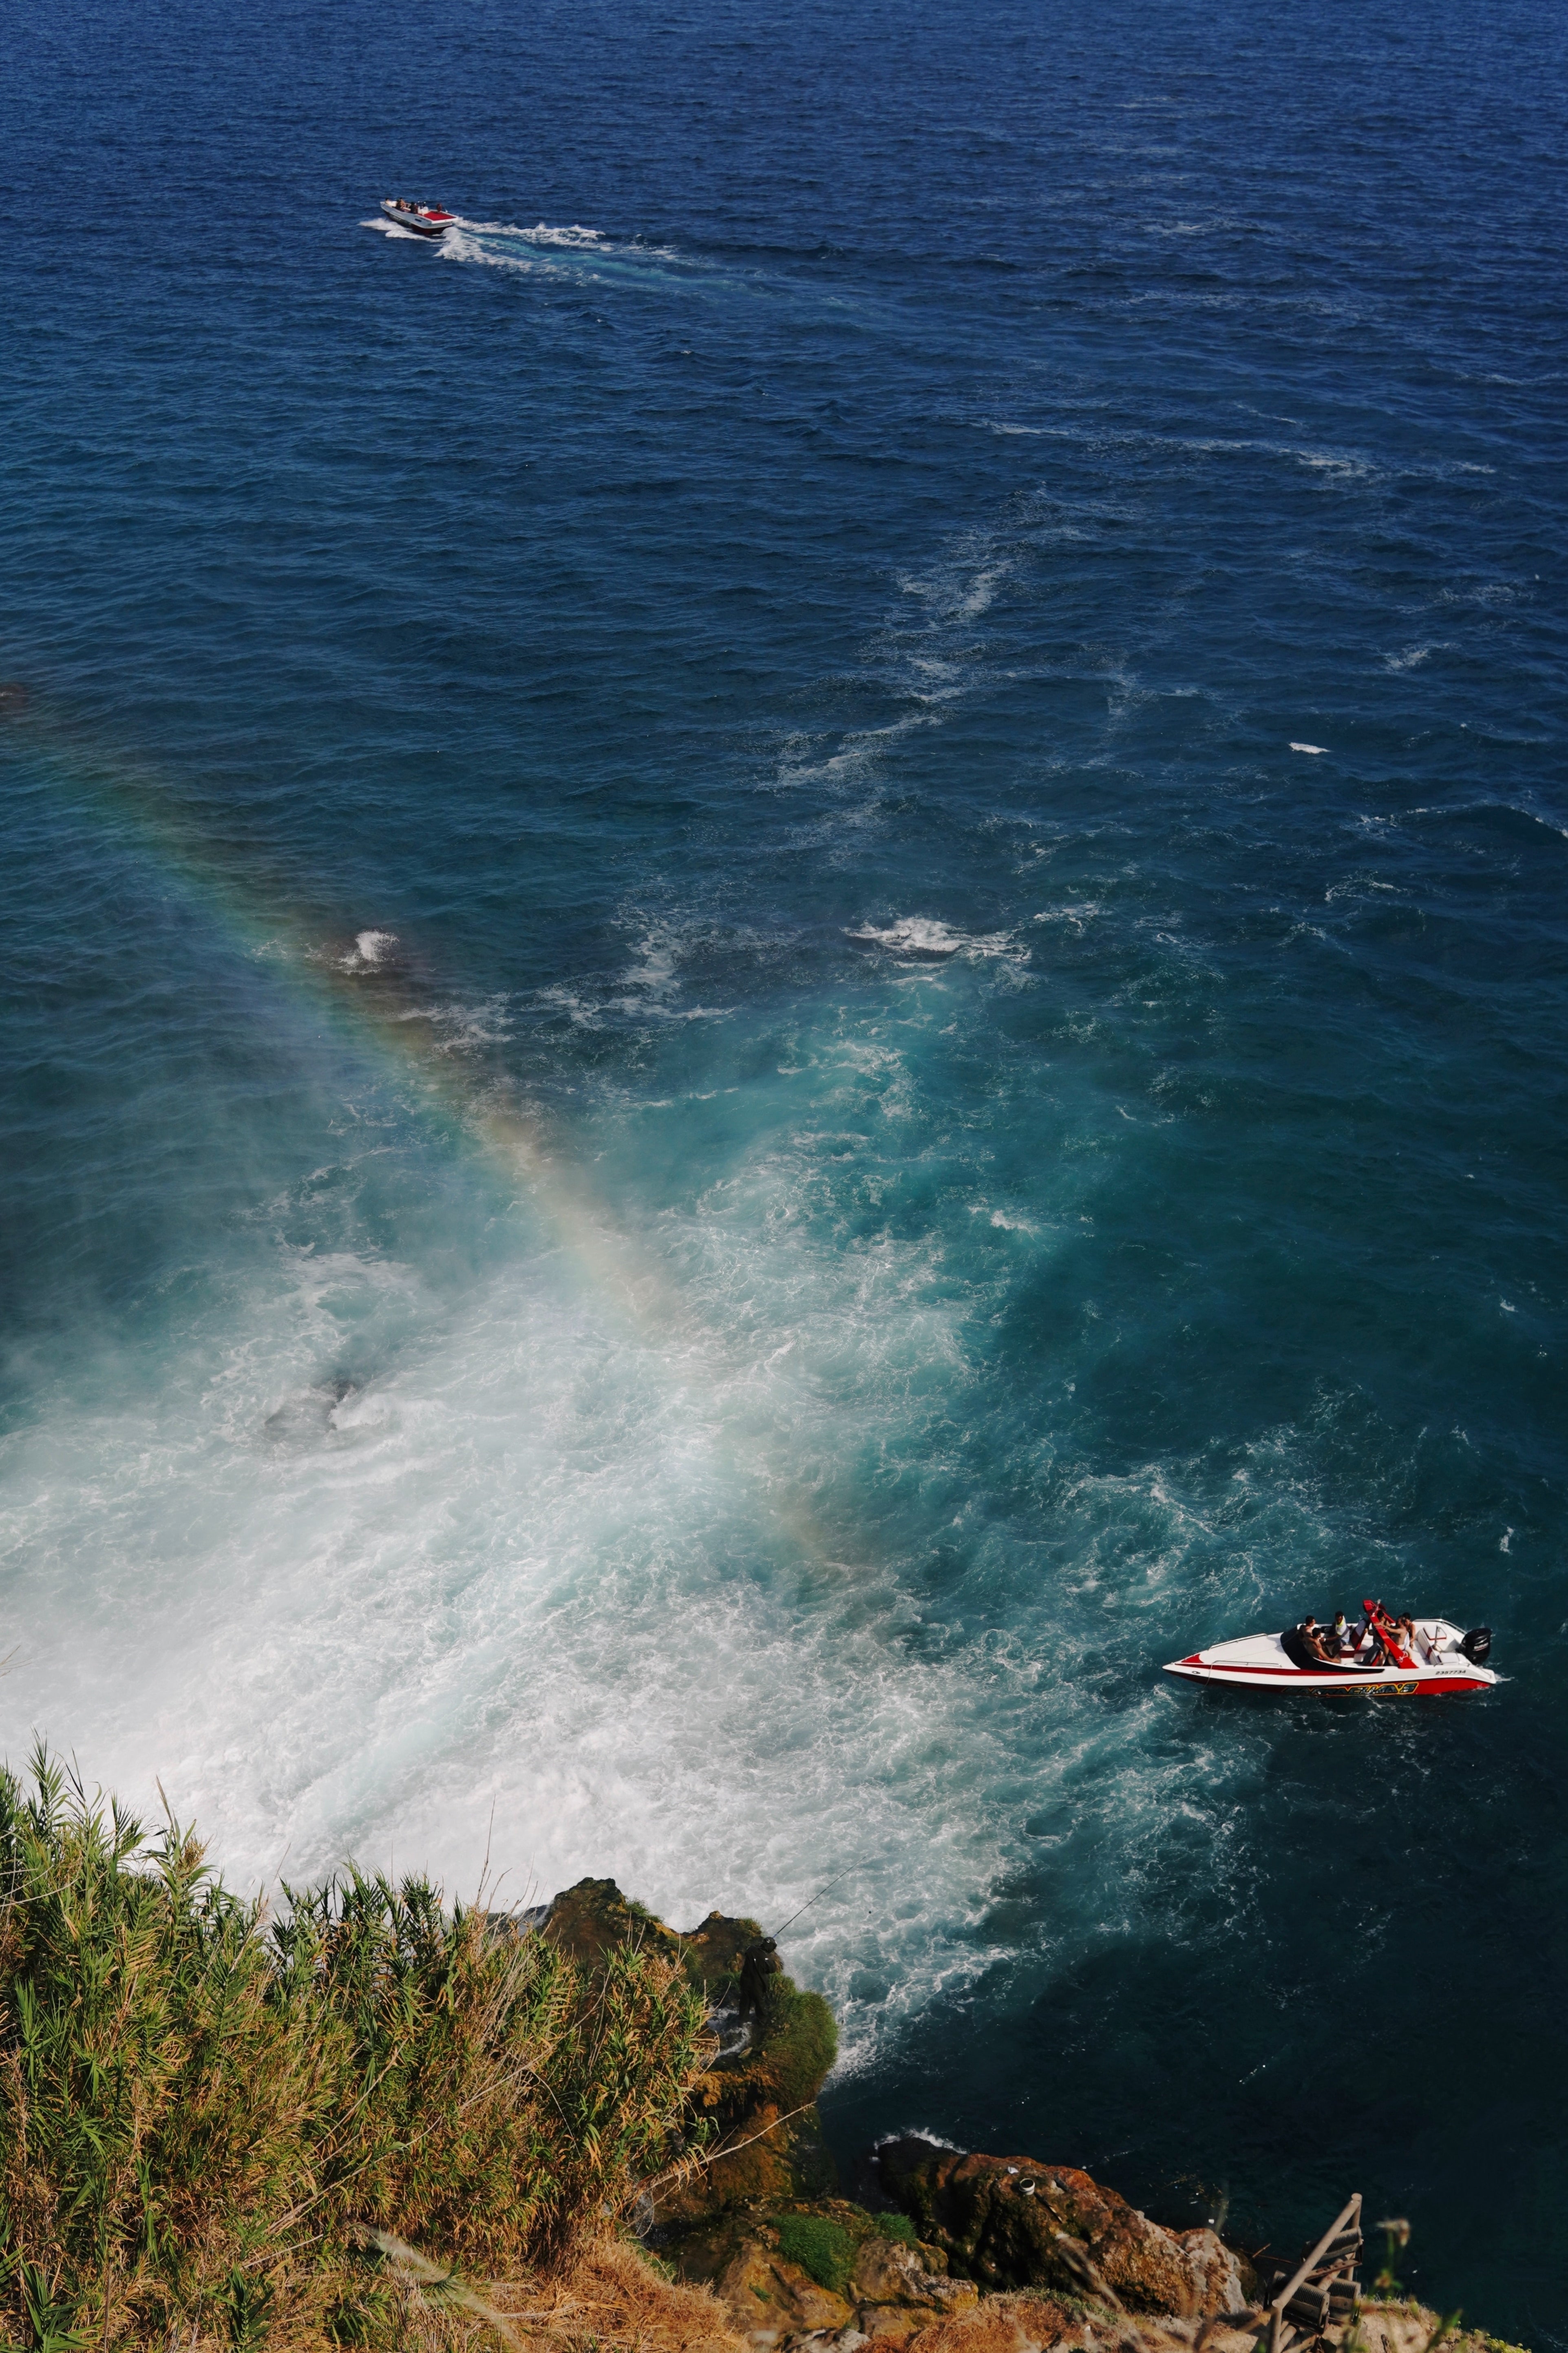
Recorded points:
(823, 2250)
(800, 2043)
(219, 2134)
(895, 2226)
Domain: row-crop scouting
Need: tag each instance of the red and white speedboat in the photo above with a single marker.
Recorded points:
(425, 220)
(1442, 1659)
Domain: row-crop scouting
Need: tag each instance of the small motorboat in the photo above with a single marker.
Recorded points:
(1440, 1659)
(425, 220)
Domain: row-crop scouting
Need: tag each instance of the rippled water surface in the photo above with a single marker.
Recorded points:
(785, 963)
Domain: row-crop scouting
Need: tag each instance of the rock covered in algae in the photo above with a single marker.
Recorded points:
(826, 2269)
(757, 2101)
(1012, 2223)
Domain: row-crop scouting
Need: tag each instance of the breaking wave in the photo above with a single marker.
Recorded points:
(921, 937)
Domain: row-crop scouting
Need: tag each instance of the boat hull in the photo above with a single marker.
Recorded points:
(416, 221)
(1393, 1685)
(1260, 1663)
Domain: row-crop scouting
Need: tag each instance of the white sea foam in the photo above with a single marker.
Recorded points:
(923, 936)
(370, 949)
(1315, 750)
(570, 251)
(1006, 1221)
(375, 1558)
(931, 655)
(458, 245)
(574, 239)
(577, 1007)
(489, 1598)
(456, 1028)
(856, 757)
(963, 583)
(1335, 463)
(1078, 915)
(650, 989)
(980, 590)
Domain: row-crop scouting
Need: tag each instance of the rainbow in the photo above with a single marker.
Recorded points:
(386, 1013)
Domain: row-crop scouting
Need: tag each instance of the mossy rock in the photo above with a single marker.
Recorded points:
(712, 1953)
(822, 2247)
(762, 2099)
(590, 1920)
(799, 2043)
(586, 1920)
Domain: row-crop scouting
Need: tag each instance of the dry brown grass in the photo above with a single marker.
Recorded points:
(612, 2298)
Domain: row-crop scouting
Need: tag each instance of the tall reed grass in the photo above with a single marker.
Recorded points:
(372, 2121)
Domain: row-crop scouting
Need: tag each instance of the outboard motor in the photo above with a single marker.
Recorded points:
(1476, 1645)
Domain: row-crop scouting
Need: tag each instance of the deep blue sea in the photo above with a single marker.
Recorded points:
(785, 954)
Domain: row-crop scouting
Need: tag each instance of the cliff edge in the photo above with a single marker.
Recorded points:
(952, 2251)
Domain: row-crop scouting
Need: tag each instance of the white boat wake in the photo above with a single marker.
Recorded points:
(568, 250)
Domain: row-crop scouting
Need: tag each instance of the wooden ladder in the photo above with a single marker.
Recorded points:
(1321, 2291)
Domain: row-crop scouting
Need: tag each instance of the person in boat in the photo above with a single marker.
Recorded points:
(1388, 1634)
(1312, 1642)
(1339, 1641)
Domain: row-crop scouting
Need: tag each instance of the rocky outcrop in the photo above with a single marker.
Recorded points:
(971, 2253)
(1029, 2322)
(830, 2266)
(759, 2137)
(1012, 2223)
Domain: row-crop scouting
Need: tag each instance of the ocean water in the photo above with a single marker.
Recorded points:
(785, 961)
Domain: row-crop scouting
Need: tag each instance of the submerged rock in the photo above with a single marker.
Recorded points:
(309, 1416)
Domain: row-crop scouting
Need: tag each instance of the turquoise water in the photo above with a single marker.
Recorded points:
(785, 966)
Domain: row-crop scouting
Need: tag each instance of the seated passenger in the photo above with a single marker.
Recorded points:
(1313, 1639)
(1388, 1643)
(1339, 1639)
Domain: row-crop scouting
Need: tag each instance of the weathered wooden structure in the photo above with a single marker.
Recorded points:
(1320, 2292)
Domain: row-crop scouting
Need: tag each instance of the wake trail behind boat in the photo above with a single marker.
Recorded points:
(582, 254)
